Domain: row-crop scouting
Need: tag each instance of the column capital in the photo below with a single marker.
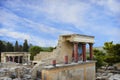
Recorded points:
(75, 42)
(83, 43)
(91, 43)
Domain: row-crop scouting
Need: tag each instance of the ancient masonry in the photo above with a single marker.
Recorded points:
(68, 61)
(18, 57)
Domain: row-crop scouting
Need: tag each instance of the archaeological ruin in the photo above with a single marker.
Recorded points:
(68, 61)
(18, 57)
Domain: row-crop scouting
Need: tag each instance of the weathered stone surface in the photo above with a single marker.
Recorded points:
(77, 71)
(90, 72)
(15, 72)
(5, 78)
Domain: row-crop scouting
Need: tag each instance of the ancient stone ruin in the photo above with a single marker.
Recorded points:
(68, 61)
(18, 57)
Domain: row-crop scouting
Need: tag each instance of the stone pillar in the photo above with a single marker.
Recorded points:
(22, 61)
(18, 59)
(13, 58)
(76, 52)
(91, 50)
(4, 59)
(8, 58)
(84, 51)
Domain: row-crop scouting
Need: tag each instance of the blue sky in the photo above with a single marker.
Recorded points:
(42, 21)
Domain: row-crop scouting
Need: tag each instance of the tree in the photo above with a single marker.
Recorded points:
(25, 46)
(9, 47)
(108, 47)
(30, 45)
(113, 53)
(99, 57)
(16, 47)
(116, 49)
(2, 46)
(47, 49)
(51, 49)
(20, 48)
(34, 50)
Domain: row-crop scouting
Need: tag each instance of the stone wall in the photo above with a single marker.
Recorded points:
(63, 48)
(75, 71)
(42, 56)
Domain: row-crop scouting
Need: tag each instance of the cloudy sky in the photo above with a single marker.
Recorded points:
(42, 21)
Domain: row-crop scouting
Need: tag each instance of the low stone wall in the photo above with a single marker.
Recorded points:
(42, 56)
(73, 71)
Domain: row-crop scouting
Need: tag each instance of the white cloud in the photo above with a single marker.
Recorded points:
(46, 28)
(32, 39)
(66, 11)
(13, 34)
(10, 21)
(113, 6)
(62, 11)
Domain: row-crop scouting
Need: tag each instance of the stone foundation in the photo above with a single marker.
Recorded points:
(73, 71)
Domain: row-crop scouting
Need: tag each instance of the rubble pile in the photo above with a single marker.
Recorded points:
(110, 74)
(15, 71)
(107, 76)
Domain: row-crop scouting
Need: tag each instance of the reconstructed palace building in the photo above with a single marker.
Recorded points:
(18, 57)
(69, 60)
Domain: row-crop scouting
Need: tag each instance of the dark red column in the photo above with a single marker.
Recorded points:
(91, 50)
(66, 59)
(54, 62)
(84, 51)
(76, 52)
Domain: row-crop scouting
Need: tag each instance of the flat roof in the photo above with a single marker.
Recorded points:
(77, 35)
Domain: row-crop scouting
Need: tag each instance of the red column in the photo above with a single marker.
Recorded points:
(66, 59)
(91, 50)
(73, 55)
(84, 51)
(54, 62)
(76, 52)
